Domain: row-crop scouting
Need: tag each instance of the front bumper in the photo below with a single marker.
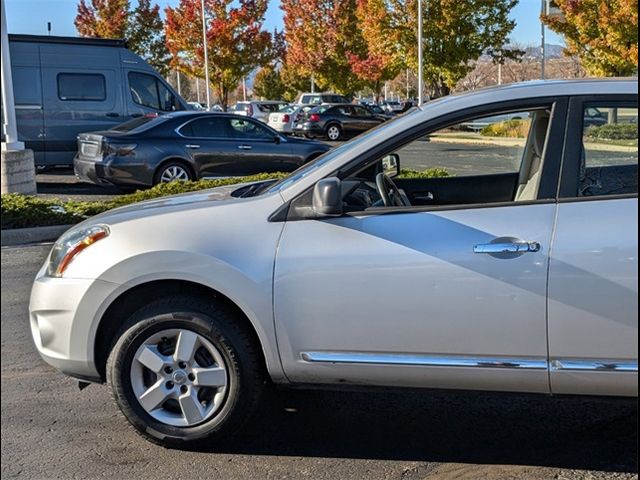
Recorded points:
(63, 314)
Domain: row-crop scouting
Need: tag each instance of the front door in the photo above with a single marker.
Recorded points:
(427, 296)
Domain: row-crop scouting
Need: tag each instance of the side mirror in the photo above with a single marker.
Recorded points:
(391, 165)
(277, 140)
(327, 197)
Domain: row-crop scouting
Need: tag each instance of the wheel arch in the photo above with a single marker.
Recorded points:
(174, 158)
(134, 298)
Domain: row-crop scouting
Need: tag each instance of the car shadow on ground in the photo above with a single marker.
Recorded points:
(570, 432)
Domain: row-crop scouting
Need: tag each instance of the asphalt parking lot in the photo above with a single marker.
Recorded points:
(50, 429)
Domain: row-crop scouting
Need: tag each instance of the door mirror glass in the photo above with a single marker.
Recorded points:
(391, 165)
(327, 197)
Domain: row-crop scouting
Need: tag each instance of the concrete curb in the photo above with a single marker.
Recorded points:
(23, 236)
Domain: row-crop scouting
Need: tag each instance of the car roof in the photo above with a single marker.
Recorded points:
(553, 88)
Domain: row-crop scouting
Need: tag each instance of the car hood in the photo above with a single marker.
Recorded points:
(202, 198)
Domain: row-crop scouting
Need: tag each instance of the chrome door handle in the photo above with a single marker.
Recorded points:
(507, 247)
(191, 145)
(245, 147)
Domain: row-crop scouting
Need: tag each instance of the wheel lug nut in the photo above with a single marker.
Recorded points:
(182, 365)
(169, 384)
(183, 389)
(168, 369)
(191, 377)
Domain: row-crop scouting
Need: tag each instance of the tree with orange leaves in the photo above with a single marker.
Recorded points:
(141, 26)
(379, 61)
(604, 35)
(237, 43)
(102, 18)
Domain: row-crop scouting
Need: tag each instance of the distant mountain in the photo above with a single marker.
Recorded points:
(551, 51)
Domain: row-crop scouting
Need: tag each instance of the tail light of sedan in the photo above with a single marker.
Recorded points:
(285, 118)
(314, 117)
(121, 150)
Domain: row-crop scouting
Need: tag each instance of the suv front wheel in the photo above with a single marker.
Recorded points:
(184, 371)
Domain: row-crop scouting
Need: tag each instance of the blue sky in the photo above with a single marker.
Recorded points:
(31, 16)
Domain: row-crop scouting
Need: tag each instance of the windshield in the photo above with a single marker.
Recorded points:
(322, 160)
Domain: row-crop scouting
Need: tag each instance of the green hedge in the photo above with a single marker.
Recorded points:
(614, 131)
(509, 128)
(22, 211)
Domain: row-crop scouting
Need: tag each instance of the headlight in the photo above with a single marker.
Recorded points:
(71, 244)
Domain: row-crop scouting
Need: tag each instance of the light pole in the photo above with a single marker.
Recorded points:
(9, 109)
(420, 67)
(17, 169)
(206, 55)
(543, 10)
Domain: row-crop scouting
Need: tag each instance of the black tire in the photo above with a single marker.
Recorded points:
(218, 325)
(165, 167)
(329, 135)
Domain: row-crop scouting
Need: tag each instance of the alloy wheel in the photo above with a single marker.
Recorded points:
(179, 377)
(174, 172)
(333, 132)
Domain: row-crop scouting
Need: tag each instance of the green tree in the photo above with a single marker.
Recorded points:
(321, 36)
(456, 33)
(268, 84)
(603, 34)
(142, 27)
(145, 36)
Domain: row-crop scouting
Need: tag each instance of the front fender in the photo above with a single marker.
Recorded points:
(253, 295)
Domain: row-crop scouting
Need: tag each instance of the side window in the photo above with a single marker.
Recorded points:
(347, 111)
(495, 158)
(144, 90)
(249, 130)
(362, 112)
(168, 101)
(213, 127)
(609, 162)
(81, 87)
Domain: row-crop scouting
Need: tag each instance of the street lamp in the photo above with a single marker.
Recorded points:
(206, 55)
(420, 68)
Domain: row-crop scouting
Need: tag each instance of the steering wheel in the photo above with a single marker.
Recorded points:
(389, 192)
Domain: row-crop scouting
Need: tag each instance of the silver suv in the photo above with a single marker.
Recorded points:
(259, 110)
(510, 265)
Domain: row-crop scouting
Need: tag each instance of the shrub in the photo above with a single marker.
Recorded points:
(614, 131)
(21, 211)
(509, 128)
(428, 173)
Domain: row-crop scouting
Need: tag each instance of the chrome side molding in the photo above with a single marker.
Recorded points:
(423, 360)
(587, 365)
(593, 365)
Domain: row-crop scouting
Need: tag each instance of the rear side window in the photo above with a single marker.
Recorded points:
(609, 163)
(148, 91)
(214, 127)
(81, 87)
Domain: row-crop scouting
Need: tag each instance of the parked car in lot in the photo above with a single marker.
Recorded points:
(521, 280)
(392, 106)
(67, 85)
(187, 146)
(321, 98)
(259, 110)
(336, 121)
(284, 120)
